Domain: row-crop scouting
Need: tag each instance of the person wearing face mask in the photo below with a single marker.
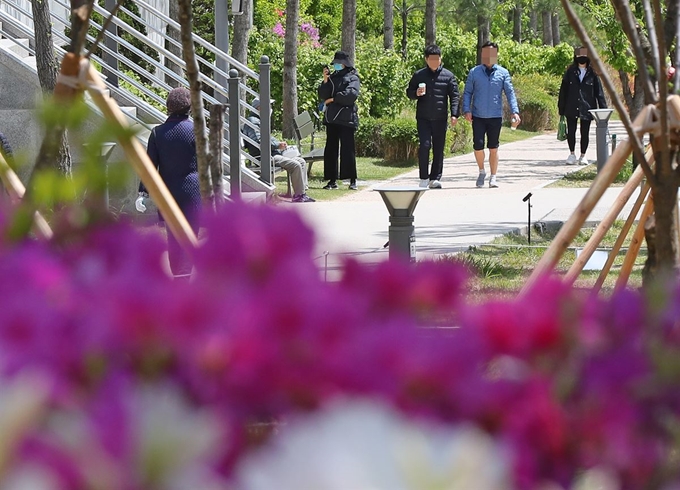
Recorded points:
(436, 90)
(580, 91)
(483, 107)
(339, 91)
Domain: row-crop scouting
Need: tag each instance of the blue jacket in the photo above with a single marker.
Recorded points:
(483, 92)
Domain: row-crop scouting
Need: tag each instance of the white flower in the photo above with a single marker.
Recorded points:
(362, 445)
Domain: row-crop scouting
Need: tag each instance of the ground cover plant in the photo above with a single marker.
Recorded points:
(502, 266)
(114, 375)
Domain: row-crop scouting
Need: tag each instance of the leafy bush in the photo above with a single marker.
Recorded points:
(537, 99)
(397, 139)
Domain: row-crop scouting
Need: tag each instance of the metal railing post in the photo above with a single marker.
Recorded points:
(112, 44)
(221, 42)
(234, 136)
(265, 121)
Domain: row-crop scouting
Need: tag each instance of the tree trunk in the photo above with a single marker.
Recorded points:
(517, 23)
(555, 29)
(241, 34)
(48, 67)
(547, 28)
(482, 35)
(173, 13)
(430, 22)
(665, 194)
(388, 24)
(189, 55)
(404, 28)
(290, 55)
(349, 26)
(533, 23)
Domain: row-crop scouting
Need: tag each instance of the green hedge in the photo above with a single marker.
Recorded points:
(396, 140)
(537, 99)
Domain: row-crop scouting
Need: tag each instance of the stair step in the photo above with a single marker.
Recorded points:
(129, 111)
(18, 47)
(31, 61)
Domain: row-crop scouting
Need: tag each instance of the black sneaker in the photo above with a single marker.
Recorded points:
(331, 185)
(353, 186)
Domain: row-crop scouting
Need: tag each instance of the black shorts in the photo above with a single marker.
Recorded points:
(491, 127)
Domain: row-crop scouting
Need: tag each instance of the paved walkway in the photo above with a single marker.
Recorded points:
(459, 215)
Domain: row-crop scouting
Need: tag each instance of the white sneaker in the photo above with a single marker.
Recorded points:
(424, 182)
(435, 184)
(571, 159)
(492, 182)
(583, 160)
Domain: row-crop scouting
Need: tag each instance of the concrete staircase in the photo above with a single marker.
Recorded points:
(20, 90)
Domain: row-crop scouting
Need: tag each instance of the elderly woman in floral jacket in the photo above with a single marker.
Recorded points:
(172, 149)
(339, 91)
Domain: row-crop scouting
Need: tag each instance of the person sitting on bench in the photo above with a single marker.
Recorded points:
(294, 165)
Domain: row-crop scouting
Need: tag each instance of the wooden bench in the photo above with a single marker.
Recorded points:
(305, 128)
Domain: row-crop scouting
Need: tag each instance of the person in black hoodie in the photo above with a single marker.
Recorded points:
(339, 92)
(580, 91)
(431, 87)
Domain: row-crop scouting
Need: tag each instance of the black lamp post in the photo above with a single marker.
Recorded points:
(401, 202)
(602, 118)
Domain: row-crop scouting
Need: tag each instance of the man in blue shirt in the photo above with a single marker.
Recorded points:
(483, 107)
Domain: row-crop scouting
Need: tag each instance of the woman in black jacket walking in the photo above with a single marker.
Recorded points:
(580, 91)
(340, 91)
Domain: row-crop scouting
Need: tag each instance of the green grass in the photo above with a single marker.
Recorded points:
(501, 267)
(371, 170)
(585, 176)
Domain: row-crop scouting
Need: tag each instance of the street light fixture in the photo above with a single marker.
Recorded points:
(105, 150)
(602, 118)
(401, 202)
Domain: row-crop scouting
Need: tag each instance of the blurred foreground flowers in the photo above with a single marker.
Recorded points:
(114, 376)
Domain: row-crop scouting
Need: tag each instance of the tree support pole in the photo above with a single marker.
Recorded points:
(635, 245)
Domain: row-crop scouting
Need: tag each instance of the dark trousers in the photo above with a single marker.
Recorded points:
(180, 262)
(339, 139)
(431, 134)
(571, 134)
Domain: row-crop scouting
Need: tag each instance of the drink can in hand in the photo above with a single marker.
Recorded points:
(422, 87)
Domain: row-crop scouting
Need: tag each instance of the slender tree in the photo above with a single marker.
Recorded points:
(388, 24)
(555, 29)
(189, 55)
(290, 55)
(349, 25)
(430, 22)
(243, 24)
(517, 22)
(48, 66)
(546, 16)
(483, 29)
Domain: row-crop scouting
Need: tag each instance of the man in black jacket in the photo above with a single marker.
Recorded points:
(436, 90)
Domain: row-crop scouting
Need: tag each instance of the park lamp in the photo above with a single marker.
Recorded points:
(104, 151)
(601, 117)
(401, 202)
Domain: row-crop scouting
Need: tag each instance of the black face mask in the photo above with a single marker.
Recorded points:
(582, 60)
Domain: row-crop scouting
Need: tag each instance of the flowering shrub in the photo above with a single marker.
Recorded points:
(309, 33)
(114, 376)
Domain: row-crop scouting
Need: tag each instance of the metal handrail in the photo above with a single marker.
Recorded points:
(162, 72)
